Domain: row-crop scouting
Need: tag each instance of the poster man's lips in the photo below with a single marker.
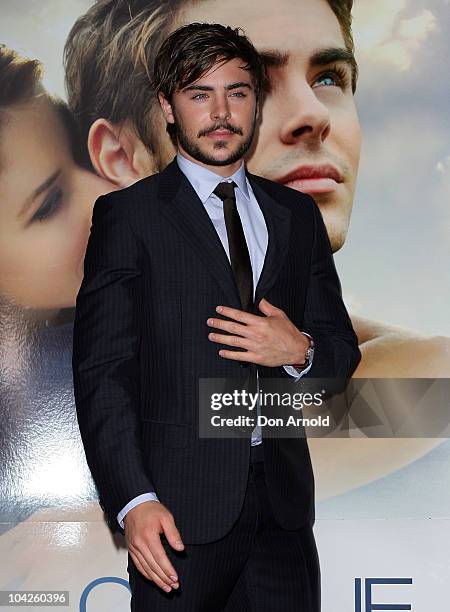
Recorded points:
(313, 178)
(323, 171)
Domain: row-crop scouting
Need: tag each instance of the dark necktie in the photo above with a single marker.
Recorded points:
(242, 270)
(239, 255)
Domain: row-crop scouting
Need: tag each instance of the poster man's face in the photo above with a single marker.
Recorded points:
(309, 134)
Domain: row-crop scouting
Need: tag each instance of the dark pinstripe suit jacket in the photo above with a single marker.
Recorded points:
(154, 271)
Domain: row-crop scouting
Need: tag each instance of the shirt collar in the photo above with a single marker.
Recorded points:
(204, 181)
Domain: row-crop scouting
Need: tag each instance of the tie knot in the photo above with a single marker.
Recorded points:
(225, 190)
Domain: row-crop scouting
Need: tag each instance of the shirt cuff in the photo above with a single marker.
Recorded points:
(295, 373)
(133, 503)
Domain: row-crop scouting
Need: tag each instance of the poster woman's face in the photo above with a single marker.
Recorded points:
(46, 203)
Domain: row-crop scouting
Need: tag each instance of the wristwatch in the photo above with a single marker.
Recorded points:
(308, 355)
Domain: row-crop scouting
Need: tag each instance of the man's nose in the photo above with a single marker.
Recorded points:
(303, 116)
(220, 108)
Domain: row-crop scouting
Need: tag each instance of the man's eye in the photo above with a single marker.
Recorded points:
(50, 206)
(199, 96)
(336, 77)
(238, 94)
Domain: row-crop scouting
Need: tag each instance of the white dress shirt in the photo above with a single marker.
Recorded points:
(204, 182)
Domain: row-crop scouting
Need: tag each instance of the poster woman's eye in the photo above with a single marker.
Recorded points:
(50, 206)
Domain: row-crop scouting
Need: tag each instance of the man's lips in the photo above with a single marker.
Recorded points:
(313, 178)
(220, 134)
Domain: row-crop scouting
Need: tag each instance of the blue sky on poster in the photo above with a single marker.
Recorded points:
(394, 266)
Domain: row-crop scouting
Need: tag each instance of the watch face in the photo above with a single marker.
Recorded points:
(309, 354)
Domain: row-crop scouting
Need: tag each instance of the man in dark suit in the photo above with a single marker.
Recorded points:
(157, 279)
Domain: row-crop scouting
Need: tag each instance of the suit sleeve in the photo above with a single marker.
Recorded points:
(326, 319)
(105, 358)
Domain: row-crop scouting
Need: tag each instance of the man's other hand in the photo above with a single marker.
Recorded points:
(143, 526)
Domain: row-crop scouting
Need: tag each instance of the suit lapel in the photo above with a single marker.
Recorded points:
(182, 207)
(180, 204)
(278, 222)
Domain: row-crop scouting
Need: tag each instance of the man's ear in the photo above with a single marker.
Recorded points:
(118, 154)
(166, 108)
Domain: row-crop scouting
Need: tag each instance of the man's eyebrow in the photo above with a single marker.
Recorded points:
(321, 57)
(37, 192)
(332, 54)
(273, 58)
(238, 84)
(208, 88)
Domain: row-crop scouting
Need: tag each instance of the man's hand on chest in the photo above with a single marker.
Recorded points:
(271, 340)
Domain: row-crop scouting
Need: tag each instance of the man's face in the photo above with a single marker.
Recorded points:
(309, 136)
(215, 115)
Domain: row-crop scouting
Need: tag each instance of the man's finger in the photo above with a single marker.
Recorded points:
(157, 580)
(230, 326)
(240, 356)
(148, 572)
(230, 340)
(162, 567)
(140, 563)
(139, 566)
(158, 560)
(266, 307)
(143, 552)
(171, 532)
(238, 315)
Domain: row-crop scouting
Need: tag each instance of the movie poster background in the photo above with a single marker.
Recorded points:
(393, 268)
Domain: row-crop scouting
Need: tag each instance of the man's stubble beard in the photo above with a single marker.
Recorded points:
(194, 150)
